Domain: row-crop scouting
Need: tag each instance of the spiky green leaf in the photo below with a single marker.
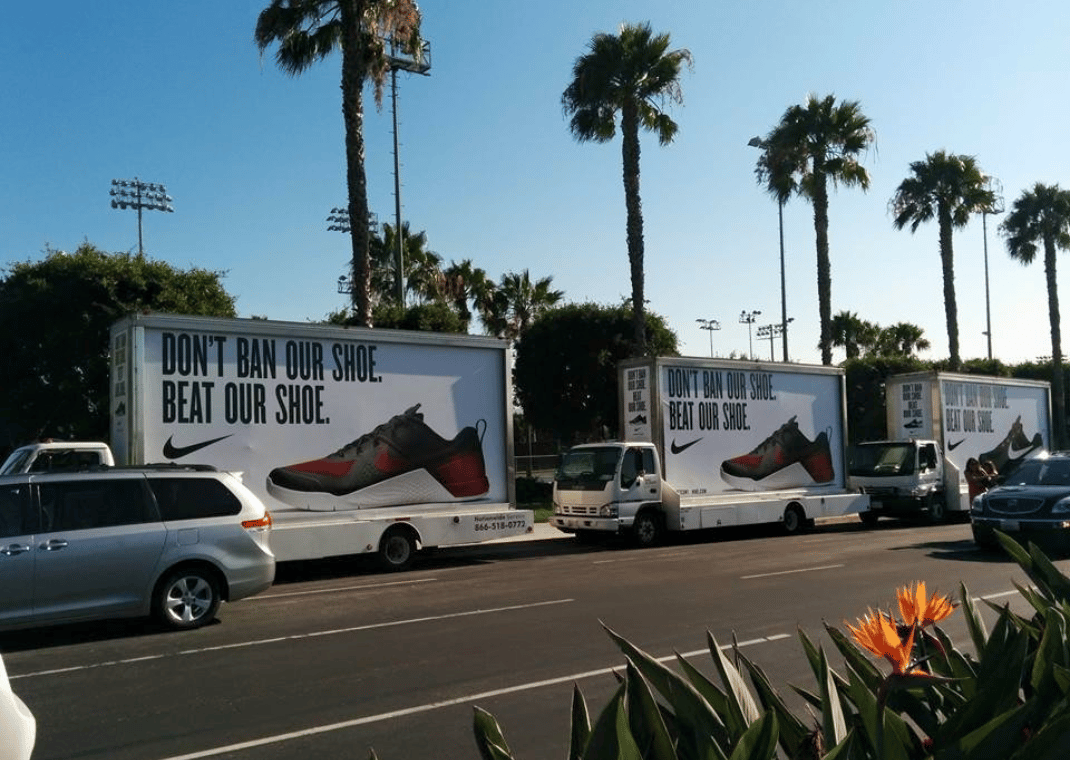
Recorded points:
(742, 711)
(580, 726)
(793, 732)
(611, 738)
(759, 741)
(644, 716)
(489, 739)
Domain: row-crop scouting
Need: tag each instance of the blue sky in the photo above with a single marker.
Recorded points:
(177, 93)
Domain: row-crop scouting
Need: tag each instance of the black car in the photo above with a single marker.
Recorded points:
(1032, 504)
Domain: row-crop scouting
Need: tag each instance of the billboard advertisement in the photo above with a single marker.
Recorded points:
(727, 428)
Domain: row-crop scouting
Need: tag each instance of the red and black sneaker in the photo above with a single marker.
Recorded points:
(402, 461)
(786, 459)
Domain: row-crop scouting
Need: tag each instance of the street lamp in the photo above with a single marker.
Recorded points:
(770, 331)
(711, 325)
(996, 207)
(339, 222)
(748, 318)
(138, 195)
(757, 142)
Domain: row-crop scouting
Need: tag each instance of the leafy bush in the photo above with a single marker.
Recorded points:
(1010, 698)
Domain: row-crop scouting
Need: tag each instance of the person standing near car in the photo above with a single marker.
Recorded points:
(976, 478)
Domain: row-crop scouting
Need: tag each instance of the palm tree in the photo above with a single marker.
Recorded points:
(633, 74)
(511, 307)
(812, 145)
(901, 339)
(1042, 215)
(855, 335)
(464, 284)
(950, 189)
(308, 31)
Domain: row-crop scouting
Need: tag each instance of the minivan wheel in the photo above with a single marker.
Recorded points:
(187, 598)
(396, 549)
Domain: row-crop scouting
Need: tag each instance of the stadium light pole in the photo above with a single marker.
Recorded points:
(138, 195)
(996, 207)
(771, 331)
(420, 63)
(748, 318)
(711, 325)
(338, 221)
(757, 142)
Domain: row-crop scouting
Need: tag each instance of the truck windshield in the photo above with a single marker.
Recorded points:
(881, 459)
(16, 462)
(588, 469)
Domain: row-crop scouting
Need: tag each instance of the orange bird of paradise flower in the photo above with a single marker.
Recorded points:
(877, 633)
(919, 610)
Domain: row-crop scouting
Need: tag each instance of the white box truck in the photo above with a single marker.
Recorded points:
(358, 441)
(937, 421)
(710, 443)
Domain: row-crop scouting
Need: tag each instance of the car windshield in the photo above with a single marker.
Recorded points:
(1041, 472)
(881, 459)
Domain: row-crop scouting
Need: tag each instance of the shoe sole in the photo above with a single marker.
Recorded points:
(792, 476)
(416, 487)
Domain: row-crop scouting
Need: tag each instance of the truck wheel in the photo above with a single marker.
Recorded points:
(397, 548)
(794, 519)
(869, 518)
(937, 508)
(187, 598)
(647, 528)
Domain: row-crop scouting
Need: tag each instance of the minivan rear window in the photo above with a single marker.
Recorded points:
(192, 498)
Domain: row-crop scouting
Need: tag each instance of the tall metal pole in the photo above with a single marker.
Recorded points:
(710, 325)
(748, 318)
(988, 305)
(399, 254)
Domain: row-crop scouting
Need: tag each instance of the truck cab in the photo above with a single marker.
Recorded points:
(610, 488)
(902, 478)
(57, 456)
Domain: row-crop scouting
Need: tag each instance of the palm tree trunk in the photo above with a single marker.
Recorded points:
(824, 268)
(630, 151)
(1058, 402)
(353, 75)
(947, 262)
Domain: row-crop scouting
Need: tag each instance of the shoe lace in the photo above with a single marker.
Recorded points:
(777, 438)
(377, 432)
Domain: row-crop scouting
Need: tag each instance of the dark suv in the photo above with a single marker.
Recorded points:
(1033, 503)
(123, 542)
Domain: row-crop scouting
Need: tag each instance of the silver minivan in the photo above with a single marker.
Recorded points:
(170, 541)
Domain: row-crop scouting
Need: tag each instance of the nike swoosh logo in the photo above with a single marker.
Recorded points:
(177, 452)
(677, 449)
(955, 445)
(1015, 453)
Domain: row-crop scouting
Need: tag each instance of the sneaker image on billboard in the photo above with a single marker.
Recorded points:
(785, 459)
(1014, 447)
(402, 461)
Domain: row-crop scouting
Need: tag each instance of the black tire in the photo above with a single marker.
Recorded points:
(937, 508)
(794, 519)
(869, 518)
(648, 528)
(187, 598)
(397, 549)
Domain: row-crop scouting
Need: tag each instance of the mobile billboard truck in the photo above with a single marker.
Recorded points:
(358, 441)
(937, 422)
(712, 443)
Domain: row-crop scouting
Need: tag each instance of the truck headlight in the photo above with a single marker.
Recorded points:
(607, 510)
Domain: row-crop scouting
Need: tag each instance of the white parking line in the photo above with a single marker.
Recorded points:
(294, 637)
(278, 738)
(266, 597)
(790, 572)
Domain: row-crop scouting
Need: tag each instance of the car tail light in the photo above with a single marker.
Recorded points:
(263, 522)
